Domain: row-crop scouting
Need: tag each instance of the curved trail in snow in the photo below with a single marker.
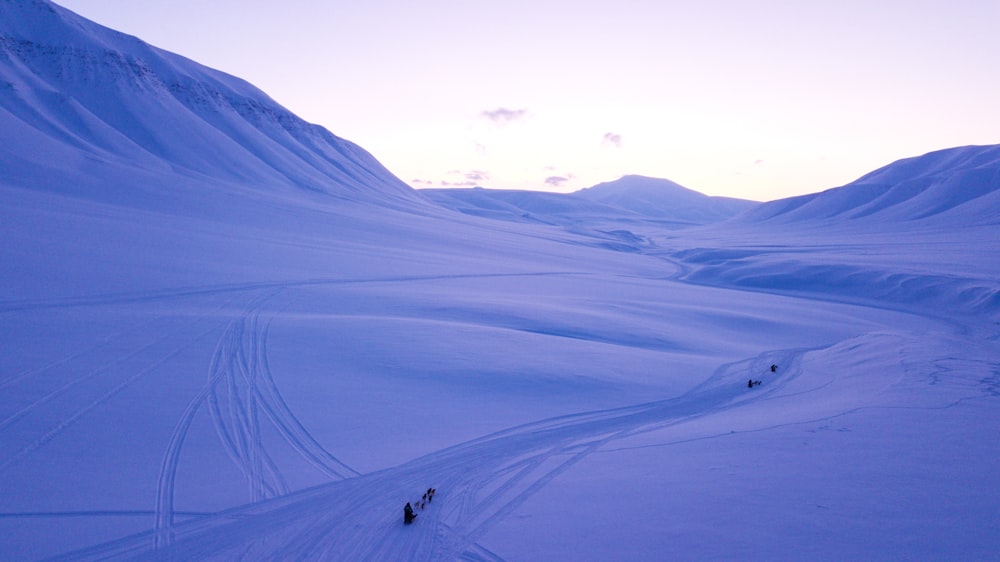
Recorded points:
(357, 517)
(480, 482)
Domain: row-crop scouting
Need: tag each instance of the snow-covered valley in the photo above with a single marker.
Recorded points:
(228, 334)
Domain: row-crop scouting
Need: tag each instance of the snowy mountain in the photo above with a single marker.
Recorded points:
(664, 199)
(628, 200)
(80, 102)
(228, 334)
(958, 183)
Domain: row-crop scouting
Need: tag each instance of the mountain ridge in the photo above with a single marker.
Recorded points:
(89, 95)
(960, 180)
(629, 199)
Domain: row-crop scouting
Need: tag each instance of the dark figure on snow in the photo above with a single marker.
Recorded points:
(774, 368)
(430, 494)
(749, 383)
(408, 514)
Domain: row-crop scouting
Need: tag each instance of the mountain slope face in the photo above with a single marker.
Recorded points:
(80, 102)
(658, 198)
(958, 183)
(630, 199)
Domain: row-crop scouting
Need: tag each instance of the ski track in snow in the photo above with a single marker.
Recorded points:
(480, 482)
(241, 378)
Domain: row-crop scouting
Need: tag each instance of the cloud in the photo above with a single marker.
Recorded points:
(502, 115)
(476, 175)
(612, 139)
(556, 181)
(457, 178)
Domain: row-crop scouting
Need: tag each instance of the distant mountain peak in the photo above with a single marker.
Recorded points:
(658, 197)
(629, 199)
(634, 182)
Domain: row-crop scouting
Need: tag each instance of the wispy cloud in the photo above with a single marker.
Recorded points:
(456, 178)
(556, 181)
(612, 139)
(503, 115)
(475, 175)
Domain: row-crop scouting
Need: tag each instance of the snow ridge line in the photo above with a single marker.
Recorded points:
(201, 290)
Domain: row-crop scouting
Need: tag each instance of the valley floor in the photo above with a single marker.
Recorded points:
(568, 402)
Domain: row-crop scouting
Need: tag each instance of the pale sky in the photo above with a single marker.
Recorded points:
(757, 99)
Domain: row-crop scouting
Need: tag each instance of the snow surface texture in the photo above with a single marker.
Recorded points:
(228, 334)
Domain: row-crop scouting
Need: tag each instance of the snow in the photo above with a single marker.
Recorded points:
(957, 185)
(628, 200)
(228, 334)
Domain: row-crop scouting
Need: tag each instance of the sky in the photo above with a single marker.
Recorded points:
(759, 99)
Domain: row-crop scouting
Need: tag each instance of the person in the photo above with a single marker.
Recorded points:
(408, 514)
(749, 383)
(774, 367)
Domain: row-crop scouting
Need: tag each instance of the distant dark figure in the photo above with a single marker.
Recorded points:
(430, 494)
(749, 383)
(408, 514)
(422, 504)
(774, 368)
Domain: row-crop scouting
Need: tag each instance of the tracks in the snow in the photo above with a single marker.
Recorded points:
(239, 392)
(357, 516)
(480, 482)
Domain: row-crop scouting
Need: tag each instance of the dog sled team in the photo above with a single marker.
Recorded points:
(408, 513)
(752, 383)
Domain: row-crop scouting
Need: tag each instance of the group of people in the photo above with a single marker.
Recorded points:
(408, 514)
(752, 383)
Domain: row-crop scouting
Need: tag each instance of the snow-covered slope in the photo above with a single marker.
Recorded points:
(664, 199)
(80, 102)
(227, 335)
(521, 206)
(628, 200)
(960, 184)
